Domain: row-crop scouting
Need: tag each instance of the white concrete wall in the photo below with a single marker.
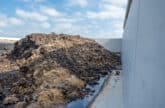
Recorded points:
(144, 55)
(113, 45)
(8, 46)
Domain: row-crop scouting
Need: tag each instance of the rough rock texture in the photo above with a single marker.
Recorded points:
(50, 70)
(10, 100)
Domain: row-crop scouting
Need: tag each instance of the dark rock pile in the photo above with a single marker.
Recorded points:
(52, 70)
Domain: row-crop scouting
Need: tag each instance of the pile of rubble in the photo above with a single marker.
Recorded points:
(50, 70)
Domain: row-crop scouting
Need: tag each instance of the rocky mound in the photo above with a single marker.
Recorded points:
(53, 70)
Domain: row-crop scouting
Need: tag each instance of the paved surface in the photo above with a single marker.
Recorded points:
(111, 95)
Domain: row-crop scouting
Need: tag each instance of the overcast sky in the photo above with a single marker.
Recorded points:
(89, 18)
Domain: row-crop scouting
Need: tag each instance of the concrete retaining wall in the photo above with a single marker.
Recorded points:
(144, 55)
(8, 46)
(113, 45)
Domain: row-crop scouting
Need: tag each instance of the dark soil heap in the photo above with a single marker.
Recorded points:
(51, 70)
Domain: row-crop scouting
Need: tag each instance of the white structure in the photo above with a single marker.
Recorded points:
(113, 45)
(111, 94)
(144, 54)
(7, 43)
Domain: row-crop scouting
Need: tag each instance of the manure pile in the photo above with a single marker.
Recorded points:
(51, 70)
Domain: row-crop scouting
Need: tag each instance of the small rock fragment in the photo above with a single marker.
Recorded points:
(20, 105)
(10, 100)
(34, 105)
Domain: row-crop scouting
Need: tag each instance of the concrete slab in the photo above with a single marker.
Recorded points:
(111, 95)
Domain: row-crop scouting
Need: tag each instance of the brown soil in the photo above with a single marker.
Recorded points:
(50, 70)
